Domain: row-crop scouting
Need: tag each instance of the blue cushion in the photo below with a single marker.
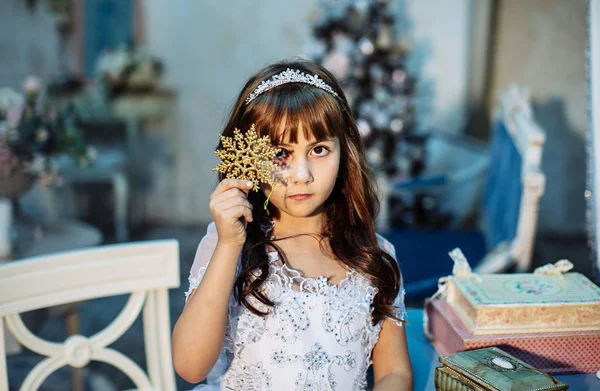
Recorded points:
(503, 190)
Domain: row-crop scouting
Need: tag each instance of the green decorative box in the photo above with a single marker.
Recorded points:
(491, 369)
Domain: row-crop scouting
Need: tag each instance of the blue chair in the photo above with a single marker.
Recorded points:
(513, 187)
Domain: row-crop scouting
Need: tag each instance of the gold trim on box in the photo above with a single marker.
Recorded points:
(464, 375)
(447, 379)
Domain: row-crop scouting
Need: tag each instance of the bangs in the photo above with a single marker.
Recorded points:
(286, 107)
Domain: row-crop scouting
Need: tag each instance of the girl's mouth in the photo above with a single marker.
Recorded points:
(300, 197)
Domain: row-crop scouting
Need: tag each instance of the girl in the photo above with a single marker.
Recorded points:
(306, 296)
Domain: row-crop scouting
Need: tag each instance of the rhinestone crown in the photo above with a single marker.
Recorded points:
(290, 76)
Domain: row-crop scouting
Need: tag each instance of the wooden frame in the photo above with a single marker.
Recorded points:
(529, 138)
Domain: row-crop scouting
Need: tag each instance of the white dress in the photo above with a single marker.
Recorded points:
(317, 337)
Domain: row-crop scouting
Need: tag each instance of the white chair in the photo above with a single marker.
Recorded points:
(514, 244)
(146, 270)
(514, 185)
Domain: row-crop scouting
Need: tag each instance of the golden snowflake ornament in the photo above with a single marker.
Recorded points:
(248, 157)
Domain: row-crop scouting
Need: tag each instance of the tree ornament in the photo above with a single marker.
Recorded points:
(249, 157)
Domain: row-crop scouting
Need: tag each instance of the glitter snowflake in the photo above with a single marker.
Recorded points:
(248, 157)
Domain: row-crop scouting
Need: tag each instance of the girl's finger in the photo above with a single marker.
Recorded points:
(228, 183)
(229, 194)
(239, 211)
(232, 203)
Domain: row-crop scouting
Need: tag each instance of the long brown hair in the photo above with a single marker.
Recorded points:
(352, 206)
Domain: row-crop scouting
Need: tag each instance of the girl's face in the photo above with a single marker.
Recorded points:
(309, 170)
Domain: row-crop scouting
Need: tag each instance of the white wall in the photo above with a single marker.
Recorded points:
(542, 44)
(439, 33)
(210, 49)
(28, 43)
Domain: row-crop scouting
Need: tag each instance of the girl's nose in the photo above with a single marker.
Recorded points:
(301, 172)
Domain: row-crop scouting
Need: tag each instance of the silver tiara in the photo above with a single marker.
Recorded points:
(290, 76)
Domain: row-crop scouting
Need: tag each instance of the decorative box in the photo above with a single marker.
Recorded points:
(559, 352)
(549, 319)
(491, 369)
(525, 302)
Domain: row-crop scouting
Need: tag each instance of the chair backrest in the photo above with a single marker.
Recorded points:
(515, 181)
(146, 270)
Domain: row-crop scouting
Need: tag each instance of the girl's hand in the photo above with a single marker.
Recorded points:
(231, 210)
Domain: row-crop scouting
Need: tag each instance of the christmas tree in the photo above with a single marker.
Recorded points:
(356, 41)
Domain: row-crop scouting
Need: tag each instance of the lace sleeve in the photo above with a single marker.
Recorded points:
(401, 314)
(202, 258)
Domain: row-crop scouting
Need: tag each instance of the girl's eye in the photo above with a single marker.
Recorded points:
(320, 150)
(282, 154)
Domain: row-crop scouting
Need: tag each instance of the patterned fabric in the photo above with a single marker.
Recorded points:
(318, 336)
(550, 351)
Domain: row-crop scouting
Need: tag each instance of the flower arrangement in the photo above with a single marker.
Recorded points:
(31, 135)
(128, 68)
